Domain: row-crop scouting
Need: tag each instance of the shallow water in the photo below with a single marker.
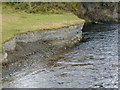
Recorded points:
(93, 63)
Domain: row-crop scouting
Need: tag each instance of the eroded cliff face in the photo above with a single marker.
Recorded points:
(44, 43)
(98, 11)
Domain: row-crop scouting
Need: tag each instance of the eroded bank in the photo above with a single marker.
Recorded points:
(46, 43)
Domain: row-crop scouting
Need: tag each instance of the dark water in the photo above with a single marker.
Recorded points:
(91, 64)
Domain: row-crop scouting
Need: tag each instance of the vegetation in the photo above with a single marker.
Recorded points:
(44, 7)
(104, 4)
(20, 21)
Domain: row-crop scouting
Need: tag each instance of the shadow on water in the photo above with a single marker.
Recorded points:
(88, 27)
(92, 29)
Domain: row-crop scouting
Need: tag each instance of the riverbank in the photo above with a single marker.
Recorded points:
(31, 22)
(46, 43)
(30, 30)
(16, 20)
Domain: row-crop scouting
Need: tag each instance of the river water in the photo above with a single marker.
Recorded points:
(93, 63)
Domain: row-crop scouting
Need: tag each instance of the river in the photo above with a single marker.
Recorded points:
(93, 63)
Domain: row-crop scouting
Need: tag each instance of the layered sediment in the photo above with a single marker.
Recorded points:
(45, 43)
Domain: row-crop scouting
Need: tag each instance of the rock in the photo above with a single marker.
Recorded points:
(98, 11)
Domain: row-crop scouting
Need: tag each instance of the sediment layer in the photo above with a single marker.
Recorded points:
(45, 43)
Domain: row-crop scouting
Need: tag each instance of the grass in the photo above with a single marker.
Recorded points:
(15, 23)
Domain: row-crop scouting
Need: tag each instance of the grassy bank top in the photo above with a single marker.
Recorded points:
(18, 18)
(14, 22)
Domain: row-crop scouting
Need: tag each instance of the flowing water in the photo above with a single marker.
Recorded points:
(93, 63)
